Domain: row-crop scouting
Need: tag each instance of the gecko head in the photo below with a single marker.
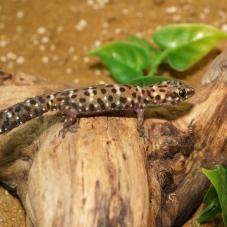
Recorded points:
(171, 92)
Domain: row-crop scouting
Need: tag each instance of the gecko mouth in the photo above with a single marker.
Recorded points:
(190, 92)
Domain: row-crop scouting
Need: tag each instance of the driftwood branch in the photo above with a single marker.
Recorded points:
(106, 175)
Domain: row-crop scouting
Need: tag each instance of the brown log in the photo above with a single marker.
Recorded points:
(105, 174)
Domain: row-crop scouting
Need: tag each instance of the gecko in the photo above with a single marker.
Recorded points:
(99, 99)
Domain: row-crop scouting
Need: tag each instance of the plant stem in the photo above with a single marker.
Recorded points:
(157, 61)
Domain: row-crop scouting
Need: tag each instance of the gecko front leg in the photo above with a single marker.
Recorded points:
(140, 119)
(71, 122)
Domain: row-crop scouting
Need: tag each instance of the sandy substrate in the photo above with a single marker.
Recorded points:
(52, 39)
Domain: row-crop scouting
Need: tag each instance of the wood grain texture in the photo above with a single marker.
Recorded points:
(105, 174)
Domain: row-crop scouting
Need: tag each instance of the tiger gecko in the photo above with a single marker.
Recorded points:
(74, 103)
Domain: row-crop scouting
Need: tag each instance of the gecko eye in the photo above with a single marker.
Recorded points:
(182, 93)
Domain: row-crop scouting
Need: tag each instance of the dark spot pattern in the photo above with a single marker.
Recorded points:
(123, 100)
(113, 105)
(6, 123)
(32, 102)
(91, 107)
(128, 86)
(82, 108)
(110, 98)
(74, 106)
(133, 103)
(122, 89)
(101, 103)
(114, 90)
(41, 99)
(82, 100)
(27, 108)
(36, 112)
(17, 108)
(149, 94)
(103, 90)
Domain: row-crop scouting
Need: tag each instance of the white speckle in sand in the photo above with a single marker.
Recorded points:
(125, 11)
(224, 27)
(105, 25)
(41, 30)
(45, 39)
(81, 25)
(20, 60)
(3, 58)
(97, 72)
(20, 14)
(86, 59)
(59, 29)
(76, 81)
(69, 71)
(3, 43)
(71, 50)
(97, 43)
(176, 17)
(75, 58)
(45, 59)
(102, 82)
(171, 9)
(117, 31)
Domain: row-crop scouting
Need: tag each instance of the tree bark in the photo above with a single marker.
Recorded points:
(105, 174)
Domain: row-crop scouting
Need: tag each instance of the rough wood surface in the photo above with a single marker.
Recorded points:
(106, 175)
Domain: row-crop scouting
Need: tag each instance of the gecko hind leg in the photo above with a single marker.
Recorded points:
(71, 122)
(140, 119)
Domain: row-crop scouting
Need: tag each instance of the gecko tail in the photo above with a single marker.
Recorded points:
(22, 112)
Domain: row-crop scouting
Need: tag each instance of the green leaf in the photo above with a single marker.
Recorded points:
(144, 44)
(125, 60)
(212, 206)
(147, 80)
(218, 178)
(154, 54)
(187, 43)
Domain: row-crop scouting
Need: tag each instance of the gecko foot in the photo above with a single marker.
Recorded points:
(69, 128)
(141, 131)
(71, 123)
(73, 128)
(140, 117)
